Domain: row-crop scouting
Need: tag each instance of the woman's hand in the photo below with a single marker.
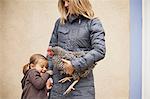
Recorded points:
(68, 68)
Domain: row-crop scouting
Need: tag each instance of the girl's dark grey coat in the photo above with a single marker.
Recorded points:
(34, 86)
(78, 34)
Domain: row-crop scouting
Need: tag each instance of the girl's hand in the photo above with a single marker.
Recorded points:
(68, 68)
(49, 84)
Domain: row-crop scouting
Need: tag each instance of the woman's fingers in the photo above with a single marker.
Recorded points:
(64, 60)
(68, 68)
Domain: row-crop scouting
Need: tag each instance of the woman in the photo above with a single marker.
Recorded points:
(77, 30)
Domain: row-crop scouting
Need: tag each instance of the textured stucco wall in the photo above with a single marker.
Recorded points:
(26, 27)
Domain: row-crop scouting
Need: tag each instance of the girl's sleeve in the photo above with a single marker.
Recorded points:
(98, 47)
(53, 42)
(38, 81)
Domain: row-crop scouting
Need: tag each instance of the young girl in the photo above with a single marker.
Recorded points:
(35, 78)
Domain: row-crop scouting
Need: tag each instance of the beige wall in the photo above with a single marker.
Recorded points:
(26, 29)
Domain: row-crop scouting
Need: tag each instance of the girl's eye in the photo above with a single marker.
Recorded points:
(42, 66)
(46, 67)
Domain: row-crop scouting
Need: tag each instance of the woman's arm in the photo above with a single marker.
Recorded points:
(53, 42)
(54, 38)
(98, 47)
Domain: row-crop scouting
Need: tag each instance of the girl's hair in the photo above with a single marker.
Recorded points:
(33, 61)
(76, 7)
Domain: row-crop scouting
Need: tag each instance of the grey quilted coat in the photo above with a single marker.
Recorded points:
(78, 34)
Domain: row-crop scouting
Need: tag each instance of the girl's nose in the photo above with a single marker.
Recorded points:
(66, 3)
(44, 69)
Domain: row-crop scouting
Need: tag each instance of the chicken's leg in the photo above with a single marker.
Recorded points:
(65, 79)
(71, 87)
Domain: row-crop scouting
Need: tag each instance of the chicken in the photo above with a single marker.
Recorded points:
(57, 53)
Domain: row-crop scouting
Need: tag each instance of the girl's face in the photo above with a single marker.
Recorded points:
(41, 66)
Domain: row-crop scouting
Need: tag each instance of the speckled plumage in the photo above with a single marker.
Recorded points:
(59, 53)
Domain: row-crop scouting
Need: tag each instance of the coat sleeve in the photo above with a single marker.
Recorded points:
(53, 42)
(38, 81)
(98, 47)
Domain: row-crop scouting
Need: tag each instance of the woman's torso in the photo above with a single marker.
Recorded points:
(74, 36)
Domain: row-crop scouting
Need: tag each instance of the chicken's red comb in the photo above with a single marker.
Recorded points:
(50, 52)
